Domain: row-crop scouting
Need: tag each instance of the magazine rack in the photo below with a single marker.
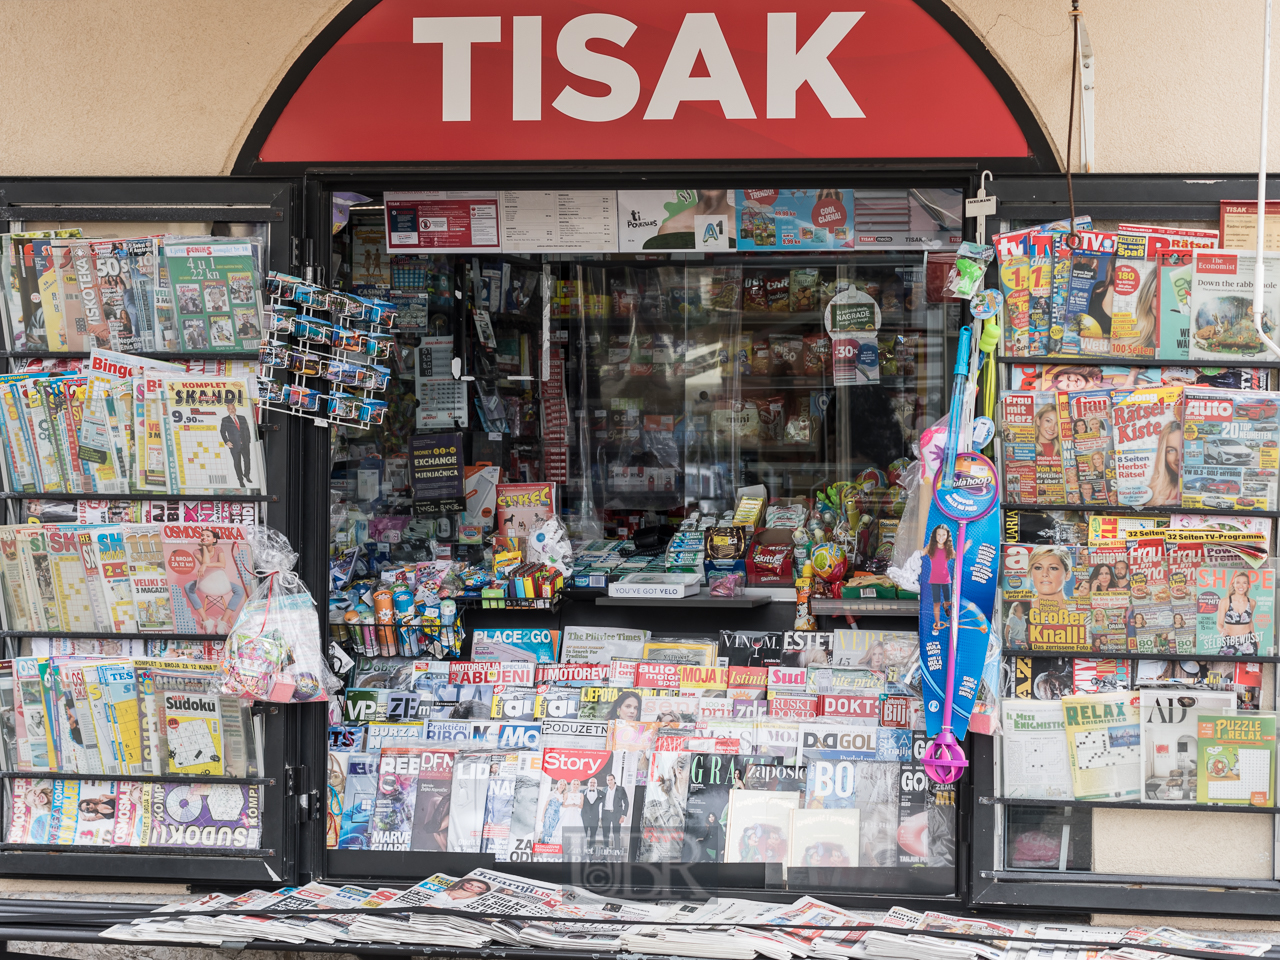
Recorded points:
(1025, 201)
(269, 208)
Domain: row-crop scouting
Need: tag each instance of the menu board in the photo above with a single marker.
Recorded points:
(442, 221)
(1239, 223)
(571, 221)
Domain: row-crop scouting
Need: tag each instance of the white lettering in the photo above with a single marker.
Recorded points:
(700, 33)
(618, 75)
(455, 36)
(526, 68)
(789, 68)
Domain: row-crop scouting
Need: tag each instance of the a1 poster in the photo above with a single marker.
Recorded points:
(795, 219)
(676, 220)
(442, 221)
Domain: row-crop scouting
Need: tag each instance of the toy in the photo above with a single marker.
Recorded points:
(829, 562)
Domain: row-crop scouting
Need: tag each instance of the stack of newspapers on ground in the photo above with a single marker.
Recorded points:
(486, 907)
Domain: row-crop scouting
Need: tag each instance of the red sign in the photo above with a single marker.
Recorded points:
(616, 80)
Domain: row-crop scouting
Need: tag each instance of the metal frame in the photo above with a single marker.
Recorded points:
(642, 880)
(993, 886)
(274, 203)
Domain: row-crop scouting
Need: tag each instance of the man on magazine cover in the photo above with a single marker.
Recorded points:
(613, 812)
(591, 802)
(235, 434)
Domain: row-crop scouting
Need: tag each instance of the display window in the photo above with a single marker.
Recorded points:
(634, 398)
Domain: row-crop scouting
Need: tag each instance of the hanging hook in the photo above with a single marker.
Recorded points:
(1073, 238)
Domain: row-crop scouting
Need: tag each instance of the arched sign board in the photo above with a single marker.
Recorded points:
(547, 81)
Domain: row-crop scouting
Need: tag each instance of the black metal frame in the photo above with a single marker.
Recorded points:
(273, 202)
(641, 880)
(1133, 198)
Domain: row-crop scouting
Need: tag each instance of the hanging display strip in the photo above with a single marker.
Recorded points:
(322, 367)
(626, 221)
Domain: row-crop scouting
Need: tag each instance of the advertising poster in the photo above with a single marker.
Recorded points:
(442, 221)
(794, 219)
(436, 471)
(676, 220)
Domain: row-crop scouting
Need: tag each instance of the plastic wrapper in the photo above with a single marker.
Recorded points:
(904, 569)
(965, 277)
(274, 651)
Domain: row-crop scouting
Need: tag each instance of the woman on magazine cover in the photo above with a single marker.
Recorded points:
(212, 583)
(571, 826)
(1166, 481)
(1235, 618)
(1050, 569)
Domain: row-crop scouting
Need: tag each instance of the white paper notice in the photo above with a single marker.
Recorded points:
(549, 221)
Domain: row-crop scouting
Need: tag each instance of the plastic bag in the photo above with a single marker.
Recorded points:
(274, 649)
(904, 569)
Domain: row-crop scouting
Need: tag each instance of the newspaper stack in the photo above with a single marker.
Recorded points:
(515, 911)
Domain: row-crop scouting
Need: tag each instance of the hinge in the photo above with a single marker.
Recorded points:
(295, 785)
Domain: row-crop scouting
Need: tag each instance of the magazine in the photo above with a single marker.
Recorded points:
(471, 773)
(1091, 294)
(216, 292)
(1222, 322)
(1148, 447)
(357, 802)
(1170, 727)
(1086, 418)
(1236, 759)
(1104, 745)
(1176, 272)
(431, 808)
(662, 824)
(211, 436)
(1035, 750)
(522, 507)
(1235, 610)
(391, 823)
(585, 805)
(1228, 463)
(823, 838)
(1018, 446)
(601, 644)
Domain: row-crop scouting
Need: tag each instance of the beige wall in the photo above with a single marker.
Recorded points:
(171, 87)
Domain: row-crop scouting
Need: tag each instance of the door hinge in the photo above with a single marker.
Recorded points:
(296, 782)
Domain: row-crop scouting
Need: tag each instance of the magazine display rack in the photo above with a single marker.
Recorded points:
(1169, 656)
(105, 794)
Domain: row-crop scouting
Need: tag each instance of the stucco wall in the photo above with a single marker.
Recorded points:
(172, 87)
